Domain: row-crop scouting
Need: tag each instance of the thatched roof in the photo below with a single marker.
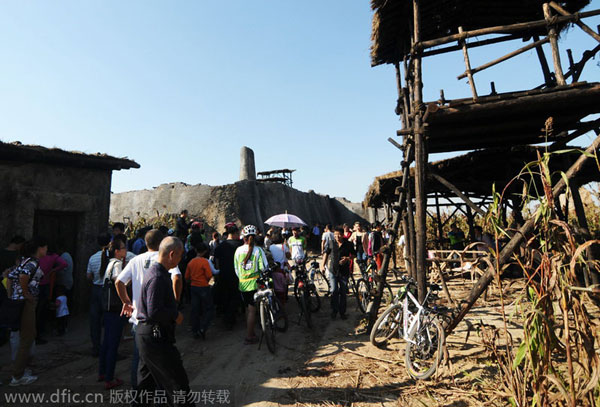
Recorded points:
(17, 152)
(475, 173)
(392, 20)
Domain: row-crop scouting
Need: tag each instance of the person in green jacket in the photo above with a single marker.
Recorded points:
(249, 260)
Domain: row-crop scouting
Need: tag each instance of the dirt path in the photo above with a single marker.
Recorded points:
(331, 365)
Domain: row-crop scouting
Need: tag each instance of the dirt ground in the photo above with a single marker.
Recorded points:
(332, 364)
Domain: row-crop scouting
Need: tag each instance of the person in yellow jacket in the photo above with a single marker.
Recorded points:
(249, 260)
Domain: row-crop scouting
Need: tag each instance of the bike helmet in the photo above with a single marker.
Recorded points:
(249, 230)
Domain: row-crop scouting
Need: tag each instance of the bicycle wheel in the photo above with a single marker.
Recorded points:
(321, 282)
(424, 355)
(386, 325)
(313, 302)
(267, 325)
(304, 309)
(281, 319)
(363, 295)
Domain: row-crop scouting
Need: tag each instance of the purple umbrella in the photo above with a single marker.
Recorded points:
(285, 220)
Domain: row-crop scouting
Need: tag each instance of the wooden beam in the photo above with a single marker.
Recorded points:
(577, 21)
(558, 72)
(459, 194)
(510, 55)
(501, 29)
(473, 44)
(514, 243)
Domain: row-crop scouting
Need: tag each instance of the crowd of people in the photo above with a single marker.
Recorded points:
(147, 280)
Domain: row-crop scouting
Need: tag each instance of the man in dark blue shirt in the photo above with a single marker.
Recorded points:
(160, 361)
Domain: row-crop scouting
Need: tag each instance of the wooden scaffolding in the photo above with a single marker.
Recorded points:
(281, 176)
(406, 32)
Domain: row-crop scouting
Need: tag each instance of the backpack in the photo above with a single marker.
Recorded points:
(110, 299)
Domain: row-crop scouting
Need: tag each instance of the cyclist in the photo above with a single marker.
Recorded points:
(249, 261)
(297, 245)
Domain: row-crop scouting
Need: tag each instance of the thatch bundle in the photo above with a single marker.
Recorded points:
(392, 20)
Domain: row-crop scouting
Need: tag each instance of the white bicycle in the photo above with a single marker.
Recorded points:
(418, 325)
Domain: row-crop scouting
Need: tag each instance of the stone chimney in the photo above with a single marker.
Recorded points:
(247, 168)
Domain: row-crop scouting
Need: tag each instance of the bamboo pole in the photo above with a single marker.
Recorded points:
(501, 29)
(577, 21)
(502, 59)
(516, 240)
(459, 194)
(558, 72)
(469, 73)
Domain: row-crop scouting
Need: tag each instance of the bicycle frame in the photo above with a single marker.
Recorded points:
(409, 328)
(265, 293)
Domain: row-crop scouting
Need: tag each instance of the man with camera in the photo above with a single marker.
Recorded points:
(160, 362)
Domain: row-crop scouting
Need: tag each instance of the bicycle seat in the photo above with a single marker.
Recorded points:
(435, 287)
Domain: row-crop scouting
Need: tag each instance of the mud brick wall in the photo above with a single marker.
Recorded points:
(244, 202)
(80, 197)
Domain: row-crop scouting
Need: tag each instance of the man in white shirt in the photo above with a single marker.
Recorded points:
(134, 273)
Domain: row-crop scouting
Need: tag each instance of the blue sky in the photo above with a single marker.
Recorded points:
(181, 86)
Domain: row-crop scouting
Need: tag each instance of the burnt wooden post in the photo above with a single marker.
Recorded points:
(543, 62)
(420, 157)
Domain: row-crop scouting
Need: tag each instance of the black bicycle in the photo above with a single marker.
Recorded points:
(306, 294)
(366, 288)
(272, 315)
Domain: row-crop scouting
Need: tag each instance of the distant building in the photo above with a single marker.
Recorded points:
(60, 195)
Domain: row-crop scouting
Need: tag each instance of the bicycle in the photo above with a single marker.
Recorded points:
(272, 316)
(306, 294)
(366, 288)
(321, 282)
(416, 323)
